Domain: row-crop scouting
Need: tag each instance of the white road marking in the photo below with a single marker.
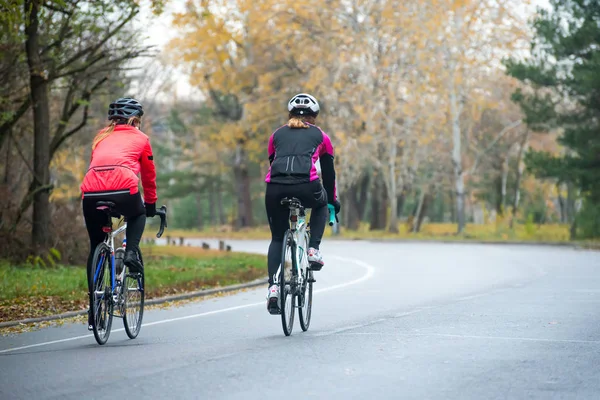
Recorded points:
(527, 339)
(370, 271)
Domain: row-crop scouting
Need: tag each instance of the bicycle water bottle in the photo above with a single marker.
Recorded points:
(119, 255)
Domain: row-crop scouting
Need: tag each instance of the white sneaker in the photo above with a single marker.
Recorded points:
(315, 259)
(273, 300)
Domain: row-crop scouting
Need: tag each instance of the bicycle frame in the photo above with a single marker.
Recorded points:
(298, 228)
(110, 242)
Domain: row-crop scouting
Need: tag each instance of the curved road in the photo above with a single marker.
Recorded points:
(390, 321)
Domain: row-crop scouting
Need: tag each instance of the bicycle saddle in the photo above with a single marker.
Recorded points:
(103, 205)
(292, 202)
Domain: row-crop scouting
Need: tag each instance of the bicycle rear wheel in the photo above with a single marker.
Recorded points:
(305, 312)
(133, 296)
(306, 291)
(101, 302)
(287, 298)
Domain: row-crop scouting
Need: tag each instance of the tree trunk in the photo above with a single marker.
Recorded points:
(378, 205)
(219, 197)
(498, 194)
(393, 225)
(242, 180)
(40, 188)
(352, 215)
(503, 185)
(456, 108)
(452, 206)
(400, 203)
(5, 180)
(571, 198)
(571, 211)
(520, 170)
(562, 204)
(417, 213)
(213, 219)
(363, 195)
(425, 205)
(459, 178)
(392, 188)
(200, 223)
(356, 199)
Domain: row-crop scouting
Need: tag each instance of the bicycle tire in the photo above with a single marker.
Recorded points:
(285, 285)
(132, 321)
(306, 294)
(101, 308)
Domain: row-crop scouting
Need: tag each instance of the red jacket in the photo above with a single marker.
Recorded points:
(116, 162)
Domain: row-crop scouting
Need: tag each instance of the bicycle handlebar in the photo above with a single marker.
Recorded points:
(333, 218)
(162, 213)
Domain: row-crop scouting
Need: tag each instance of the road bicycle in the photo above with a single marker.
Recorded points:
(117, 292)
(294, 275)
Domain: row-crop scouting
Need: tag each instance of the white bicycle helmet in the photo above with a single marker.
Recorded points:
(303, 104)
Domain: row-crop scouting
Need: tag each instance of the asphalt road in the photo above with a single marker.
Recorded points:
(390, 321)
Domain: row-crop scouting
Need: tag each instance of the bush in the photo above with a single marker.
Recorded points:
(588, 221)
(69, 239)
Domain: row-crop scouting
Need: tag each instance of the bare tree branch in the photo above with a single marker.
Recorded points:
(59, 135)
(52, 7)
(82, 68)
(27, 164)
(500, 135)
(7, 125)
(94, 48)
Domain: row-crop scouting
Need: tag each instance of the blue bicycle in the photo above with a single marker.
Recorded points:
(115, 290)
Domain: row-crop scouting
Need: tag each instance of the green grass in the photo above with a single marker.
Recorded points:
(430, 231)
(27, 291)
(173, 268)
(20, 282)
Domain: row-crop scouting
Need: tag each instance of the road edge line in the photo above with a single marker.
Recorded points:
(160, 300)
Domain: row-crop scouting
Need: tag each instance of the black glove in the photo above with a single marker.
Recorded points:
(150, 209)
(337, 206)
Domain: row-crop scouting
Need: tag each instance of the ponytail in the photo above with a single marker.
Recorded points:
(300, 122)
(106, 132)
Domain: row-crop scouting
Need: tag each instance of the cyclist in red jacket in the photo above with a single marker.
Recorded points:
(120, 152)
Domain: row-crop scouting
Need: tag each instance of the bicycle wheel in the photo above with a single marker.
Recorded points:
(306, 293)
(101, 303)
(133, 296)
(287, 299)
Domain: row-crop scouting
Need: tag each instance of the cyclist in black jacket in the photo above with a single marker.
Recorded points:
(294, 150)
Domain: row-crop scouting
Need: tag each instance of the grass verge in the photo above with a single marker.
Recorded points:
(27, 292)
(520, 233)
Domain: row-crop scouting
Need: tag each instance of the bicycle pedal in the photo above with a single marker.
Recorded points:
(311, 280)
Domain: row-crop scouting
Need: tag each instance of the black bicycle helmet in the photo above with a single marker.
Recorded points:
(125, 108)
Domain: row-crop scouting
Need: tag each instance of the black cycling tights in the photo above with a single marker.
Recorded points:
(128, 205)
(311, 195)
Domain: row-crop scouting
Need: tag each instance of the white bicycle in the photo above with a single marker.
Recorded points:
(294, 275)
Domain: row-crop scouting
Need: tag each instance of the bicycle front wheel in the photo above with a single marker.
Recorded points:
(133, 296)
(287, 298)
(101, 302)
(305, 312)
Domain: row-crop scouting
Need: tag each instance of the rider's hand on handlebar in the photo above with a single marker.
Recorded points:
(150, 209)
(337, 206)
